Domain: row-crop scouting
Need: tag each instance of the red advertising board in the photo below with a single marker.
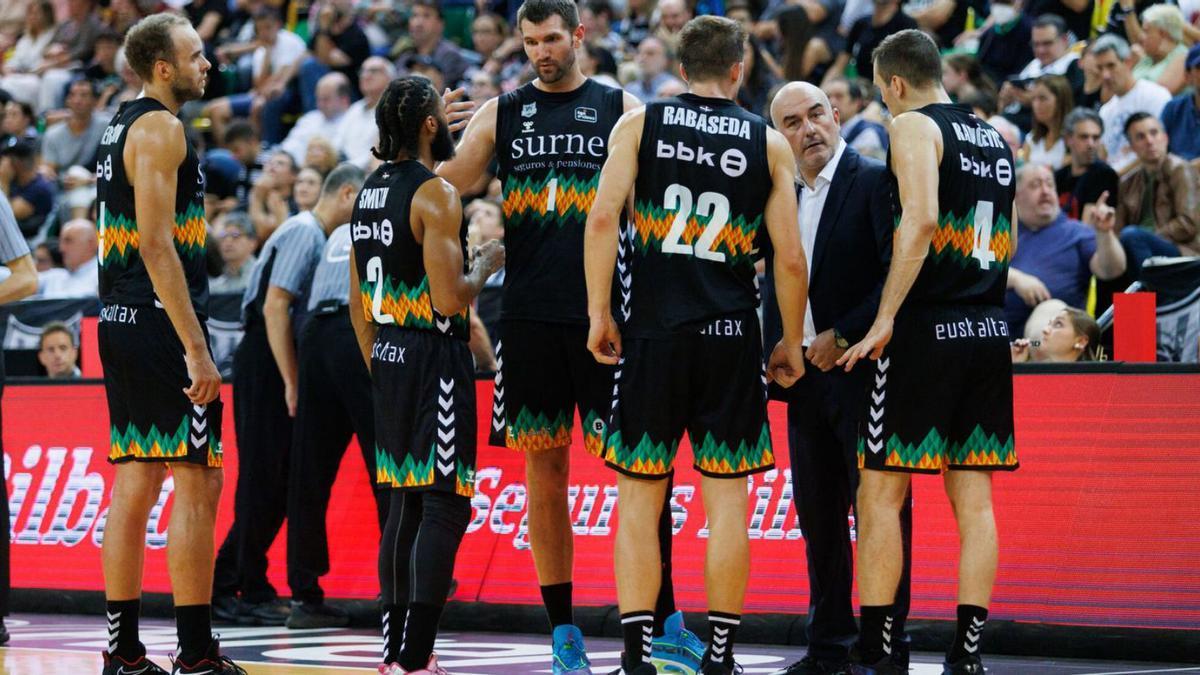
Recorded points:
(1099, 526)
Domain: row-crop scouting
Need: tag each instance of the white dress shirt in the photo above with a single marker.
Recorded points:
(812, 203)
(84, 282)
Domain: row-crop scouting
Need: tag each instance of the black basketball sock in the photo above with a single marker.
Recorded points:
(557, 599)
(722, 633)
(875, 636)
(123, 640)
(966, 635)
(194, 625)
(637, 628)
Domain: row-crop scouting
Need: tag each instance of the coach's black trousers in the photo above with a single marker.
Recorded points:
(824, 412)
(334, 404)
(264, 442)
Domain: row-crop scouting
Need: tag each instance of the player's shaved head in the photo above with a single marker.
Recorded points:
(796, 94)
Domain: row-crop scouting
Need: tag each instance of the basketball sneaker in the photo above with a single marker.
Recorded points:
(570, 655)
(714, 668)
(678, 650)
(115, 665)
(212, 664)
(970, 664)
(431, 668)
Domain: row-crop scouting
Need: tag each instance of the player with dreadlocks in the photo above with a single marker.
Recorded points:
(409, 301)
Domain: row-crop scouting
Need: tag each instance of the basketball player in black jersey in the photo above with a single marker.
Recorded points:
(409, 300)
(550, 141)
(159, 375)
(706, 179)
(942, 397)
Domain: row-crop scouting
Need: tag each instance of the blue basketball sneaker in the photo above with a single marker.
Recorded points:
(678, 650)
(570, 656)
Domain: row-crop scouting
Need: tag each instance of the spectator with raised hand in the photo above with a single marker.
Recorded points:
(1056, 256)
(337, 45)
(427, 37)
(1086, 178)
(57, 351)
(1114, 60)
(1158, 210)
(271, 200)
(1071, 335)
(1050, 104)
(80, 274)
(275, 56)
(1165, 52)
(1181, 117)
(669, 19)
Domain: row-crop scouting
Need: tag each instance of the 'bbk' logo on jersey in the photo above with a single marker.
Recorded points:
(529, 110)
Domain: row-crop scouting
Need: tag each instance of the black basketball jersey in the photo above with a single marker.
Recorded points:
(550, 147)
(702, 187)
(390, 262)
(123, 276)
(969, 256)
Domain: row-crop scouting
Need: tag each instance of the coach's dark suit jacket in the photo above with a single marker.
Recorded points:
(848, 265)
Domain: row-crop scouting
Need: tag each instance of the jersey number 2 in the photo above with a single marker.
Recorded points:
(375, 276)
(711, 204)
(982, 251)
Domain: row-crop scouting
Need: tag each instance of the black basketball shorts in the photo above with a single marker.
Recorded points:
(942, 394)
(151, 420)
(709, 382)
(424, 386)
(545, 374)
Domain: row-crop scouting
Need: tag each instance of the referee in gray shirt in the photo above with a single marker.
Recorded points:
(22, 281)
(335, 403)
(265, 391)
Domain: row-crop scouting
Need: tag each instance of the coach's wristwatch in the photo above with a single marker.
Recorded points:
(840, 340)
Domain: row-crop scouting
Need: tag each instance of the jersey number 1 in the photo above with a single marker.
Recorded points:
(375, 276)
(984, 215)
(712, 204)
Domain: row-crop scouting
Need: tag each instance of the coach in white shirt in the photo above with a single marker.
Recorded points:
(845, 222)
(333, 100)
(358, 133)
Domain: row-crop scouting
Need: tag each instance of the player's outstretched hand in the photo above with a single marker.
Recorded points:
(206, 381)
(604, 340)
(490, 256)
(870, 346)
(458, 111)
(786, 364)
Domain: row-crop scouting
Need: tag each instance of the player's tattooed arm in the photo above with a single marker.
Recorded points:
(601, 234)
(786, 364)
(436, 220)
(475, 151)
(916, 153)
(155, 148)
(364, 330)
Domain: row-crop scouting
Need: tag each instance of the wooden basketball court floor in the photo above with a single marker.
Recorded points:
(71, 645)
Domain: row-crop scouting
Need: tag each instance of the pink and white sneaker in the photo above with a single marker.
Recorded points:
(390, 669)
(431, 668)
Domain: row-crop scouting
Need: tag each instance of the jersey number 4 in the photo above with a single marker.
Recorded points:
(713, 205)
(982, 251)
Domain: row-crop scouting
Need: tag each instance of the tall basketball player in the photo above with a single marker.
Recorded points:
(550, 140)
(706, 177)
(159, 375)
(942, 310)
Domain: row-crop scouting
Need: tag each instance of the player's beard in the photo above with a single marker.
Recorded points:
(443, 143)
(560, 69)
(185, 91)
